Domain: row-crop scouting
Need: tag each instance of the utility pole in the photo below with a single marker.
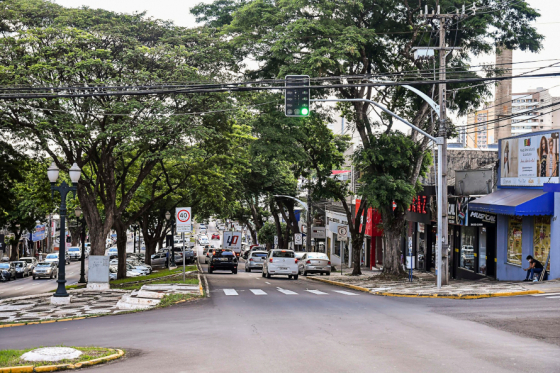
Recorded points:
(308, 224)
(444, 21)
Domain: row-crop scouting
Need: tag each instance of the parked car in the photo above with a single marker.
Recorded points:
(53, 257)
(31, 262)
(314, 263)
(45, 269)
(21, 268)
(7, 272)
(281, 262)
(74, 252)
(112, 252)
(256, 260)
(158, 259)
(203, 240)
(223, 260)
(215, 236)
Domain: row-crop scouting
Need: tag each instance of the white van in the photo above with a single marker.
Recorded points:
(281, 262)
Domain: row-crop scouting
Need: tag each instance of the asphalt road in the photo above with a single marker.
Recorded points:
(27, 286)
(281, 325)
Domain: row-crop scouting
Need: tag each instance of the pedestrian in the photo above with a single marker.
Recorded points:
(534, 267)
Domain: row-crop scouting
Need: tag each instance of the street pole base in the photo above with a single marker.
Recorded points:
(61, 300)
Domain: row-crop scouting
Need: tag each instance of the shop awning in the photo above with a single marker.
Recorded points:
(521, 202)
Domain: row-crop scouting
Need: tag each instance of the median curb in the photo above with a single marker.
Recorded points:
(54, 368)
(443, 296)
(203, 275)
(49, 322)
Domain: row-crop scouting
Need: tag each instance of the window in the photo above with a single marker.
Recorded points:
(482, 250)
(468, 240)
(283, 254)
(514, 241)
(541, 238)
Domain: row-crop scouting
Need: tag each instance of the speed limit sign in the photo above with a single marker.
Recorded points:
(183, 219)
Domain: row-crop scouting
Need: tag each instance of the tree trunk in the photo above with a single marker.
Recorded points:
(392, 230)
(98, 228)
(120, 228)
(75, 234)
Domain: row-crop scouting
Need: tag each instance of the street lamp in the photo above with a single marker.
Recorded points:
(136, 226)
(82, 221)
(172, 253)
(63, 189)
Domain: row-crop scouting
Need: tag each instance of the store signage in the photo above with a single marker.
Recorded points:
(451, 211)
(462, 214)
(479, 219)
(419, 205)
(318, 232)
(39, 234)
(529, 160)
(372, 219)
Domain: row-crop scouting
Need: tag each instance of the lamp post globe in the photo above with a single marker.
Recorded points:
(75, 173)
(52, 173)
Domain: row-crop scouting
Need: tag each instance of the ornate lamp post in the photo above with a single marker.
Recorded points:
(82, 222)
(172, 253)
(63, 189)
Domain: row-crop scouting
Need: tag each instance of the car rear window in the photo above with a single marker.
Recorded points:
(52, 256)
(259, 255)
(223, 253)
(317, 256)
(283, 254)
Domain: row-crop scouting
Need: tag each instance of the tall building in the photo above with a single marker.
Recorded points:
(480, 129)
(528, 118)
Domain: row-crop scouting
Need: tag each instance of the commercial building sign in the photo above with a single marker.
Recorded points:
(318, 232)
(39, 234)
(529, 160)
(479, 219)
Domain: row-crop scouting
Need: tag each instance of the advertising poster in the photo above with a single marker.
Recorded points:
(462, 215)
(529, 160)
(541, 238)
(515, 232)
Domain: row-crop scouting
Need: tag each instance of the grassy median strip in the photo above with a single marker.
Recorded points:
(153, 276)
(172, 299)
(12, 358)
(192, 281)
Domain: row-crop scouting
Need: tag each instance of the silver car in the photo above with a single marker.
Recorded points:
(45, 269)
(21, 268)
(31, 262)
(255, 260)
(314, 263)
(74, 253)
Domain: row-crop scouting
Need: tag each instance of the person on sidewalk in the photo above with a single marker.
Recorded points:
(534, 267)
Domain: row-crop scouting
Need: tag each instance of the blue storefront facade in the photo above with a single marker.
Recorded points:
(527, 204)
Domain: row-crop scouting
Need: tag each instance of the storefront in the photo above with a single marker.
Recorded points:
(337, 250)
(526, 202)
(372, 248)
(421, 231)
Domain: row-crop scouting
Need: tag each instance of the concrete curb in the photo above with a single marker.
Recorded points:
(54, 368)
(48, 322)
(201, 274)
(461, 296)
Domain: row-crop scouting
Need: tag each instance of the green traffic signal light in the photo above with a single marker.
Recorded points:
(304, 111)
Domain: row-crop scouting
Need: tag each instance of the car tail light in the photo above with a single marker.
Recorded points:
(308, 262)
(296, 260)
(251, 259)
(329, 262)
(270, 260)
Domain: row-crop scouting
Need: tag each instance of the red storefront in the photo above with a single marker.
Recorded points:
(373, 255)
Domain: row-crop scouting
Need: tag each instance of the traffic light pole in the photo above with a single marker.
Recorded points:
(441, 143)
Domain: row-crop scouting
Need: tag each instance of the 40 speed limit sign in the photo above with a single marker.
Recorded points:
(183, 219)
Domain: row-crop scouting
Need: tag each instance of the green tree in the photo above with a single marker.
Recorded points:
(365, 39)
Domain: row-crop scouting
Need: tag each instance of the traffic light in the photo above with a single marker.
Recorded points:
(297, 99)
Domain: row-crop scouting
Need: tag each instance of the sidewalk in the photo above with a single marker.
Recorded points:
(424, 285)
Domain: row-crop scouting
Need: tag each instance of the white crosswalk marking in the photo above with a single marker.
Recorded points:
(318, 292)
(230, 292)
(287, 292)
(257, 292)
(345, 292)
(544, 295)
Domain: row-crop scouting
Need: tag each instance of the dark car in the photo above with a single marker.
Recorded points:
(223, 260)
(7, 271)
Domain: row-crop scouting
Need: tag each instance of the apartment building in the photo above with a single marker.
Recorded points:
(526, 108)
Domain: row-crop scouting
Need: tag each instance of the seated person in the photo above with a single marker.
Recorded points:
(534, 267)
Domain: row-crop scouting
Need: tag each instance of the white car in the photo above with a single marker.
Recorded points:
(112, 252)
(281, 262)
(53, 257)
(74, 253)
(203, 240)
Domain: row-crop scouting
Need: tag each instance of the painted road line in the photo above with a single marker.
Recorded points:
(556, 297)
(230, 292)
(544, 294)
(318, 292)
(257, 292)
(20, 287)
(287, 292)
(344, 292)
(266, 282)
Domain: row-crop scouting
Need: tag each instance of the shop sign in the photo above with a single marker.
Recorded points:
(529, 160)
(373, 220)
(318, 232)
(451, 210)
(419, 210)
(479, 219)
(462, 214)
(39, 234)
(419, 205)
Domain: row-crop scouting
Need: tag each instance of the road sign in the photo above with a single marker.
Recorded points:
(298, 239)
(232, 240)
(297, 99)
(342, 233)
(275, 240)
(318, 232)
(183, 219)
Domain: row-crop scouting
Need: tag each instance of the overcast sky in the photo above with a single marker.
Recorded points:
(548, 25)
